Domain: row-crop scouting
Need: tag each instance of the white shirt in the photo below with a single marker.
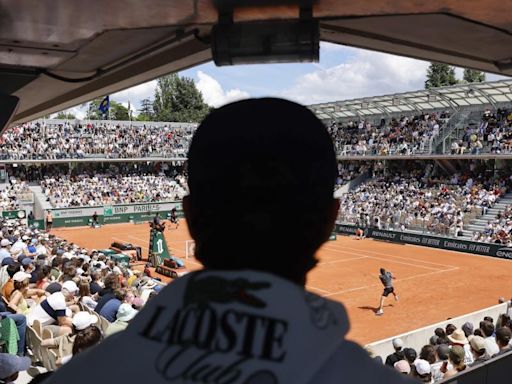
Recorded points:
(17, 247)
(491, 348)
(56, 300)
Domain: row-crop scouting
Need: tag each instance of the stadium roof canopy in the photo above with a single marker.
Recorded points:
(445, 98)
(55, 54)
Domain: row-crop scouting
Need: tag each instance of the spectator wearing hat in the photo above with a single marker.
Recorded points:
(403, 367)
(4, 250)
(397, 355)
(442, 356)
(422, 371)
(456, 357)
(477, 344)
(468, 329)
(10, 366)
(53, 312)
(64, 343)
(125, 314)
(459, 338)
(491, 346)
(503, 336)
(17, 247)
(18, 301)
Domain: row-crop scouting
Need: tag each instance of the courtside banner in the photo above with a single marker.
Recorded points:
(115, 209)
(113, 214)
(451, 244)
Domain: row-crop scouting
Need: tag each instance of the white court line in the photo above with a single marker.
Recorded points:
(390, 260)
(397, 280)
(317, 289)
(342, 260)
(398, 257)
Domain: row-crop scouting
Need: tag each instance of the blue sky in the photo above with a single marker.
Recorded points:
(342, 73)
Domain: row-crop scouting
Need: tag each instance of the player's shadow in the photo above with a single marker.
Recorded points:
(373, 309)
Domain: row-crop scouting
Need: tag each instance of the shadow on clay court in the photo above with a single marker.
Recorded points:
(373, 309)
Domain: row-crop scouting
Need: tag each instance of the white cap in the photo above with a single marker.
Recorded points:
(422, 367)
(21, 276)
(126, 312)
(67, 255)
(116, 270)
(83, 319)
(5, 243)
(398, 343)
(70, 286)
(25, 237)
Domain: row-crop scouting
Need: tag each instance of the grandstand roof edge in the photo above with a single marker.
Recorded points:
(443, 93)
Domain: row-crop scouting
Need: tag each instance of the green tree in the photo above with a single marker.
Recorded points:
(439, 75)
(117, 111)
(62, 115)
(473, 76)
(146, 110)
(178, 99)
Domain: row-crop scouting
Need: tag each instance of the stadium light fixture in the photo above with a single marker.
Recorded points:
(276, 41)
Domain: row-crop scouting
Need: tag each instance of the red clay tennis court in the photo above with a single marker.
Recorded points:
(433, 284)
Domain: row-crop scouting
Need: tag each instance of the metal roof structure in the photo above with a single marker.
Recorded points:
(449, 98)
(55, 54)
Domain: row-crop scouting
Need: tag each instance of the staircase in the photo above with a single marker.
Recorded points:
(456, 121)
(480, 222)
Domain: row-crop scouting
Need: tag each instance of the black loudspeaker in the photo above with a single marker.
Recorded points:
(8, 106)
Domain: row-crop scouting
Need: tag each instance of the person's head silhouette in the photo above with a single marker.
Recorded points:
(261, 179)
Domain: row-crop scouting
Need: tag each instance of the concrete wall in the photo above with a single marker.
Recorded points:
(418, 338)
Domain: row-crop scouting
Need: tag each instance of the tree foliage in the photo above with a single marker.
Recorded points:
(473, 76)
(146, 110)
(62, 115)
(178, 99)
(439, 75)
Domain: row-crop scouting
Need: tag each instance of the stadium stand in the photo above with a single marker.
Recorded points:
(419, 197)
(77, 140)
(30, 286)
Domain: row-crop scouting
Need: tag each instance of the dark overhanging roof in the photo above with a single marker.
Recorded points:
(119, 44)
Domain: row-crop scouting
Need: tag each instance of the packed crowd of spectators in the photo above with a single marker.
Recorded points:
(75, 296)
(13, 195)
(413, 198)
(349, 170)
(97, 189)
(74, 141)
(493, 134)
(453, 350)
(404, 136)
(499, 230)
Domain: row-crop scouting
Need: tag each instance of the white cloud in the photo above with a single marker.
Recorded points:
(212, 91)
(134, 95)
(365, 73)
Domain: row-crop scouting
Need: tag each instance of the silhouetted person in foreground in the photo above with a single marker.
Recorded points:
(261, 179)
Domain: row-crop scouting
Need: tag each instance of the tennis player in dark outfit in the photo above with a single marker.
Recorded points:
(386, 279)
